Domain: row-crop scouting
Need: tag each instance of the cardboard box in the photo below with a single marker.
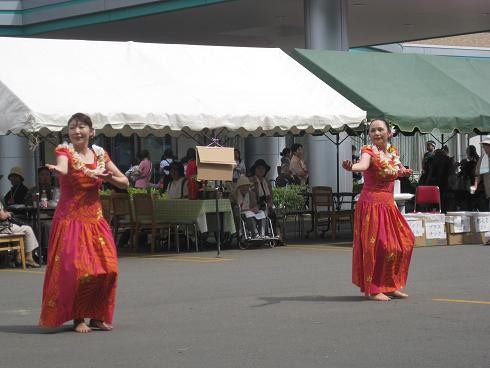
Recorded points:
(215, 163)
(481, 221)
(416, 223)
(458, 228)
(434, 225)
(435, 232)
(480, 225)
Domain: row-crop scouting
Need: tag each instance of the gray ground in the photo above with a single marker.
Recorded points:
(285, 307)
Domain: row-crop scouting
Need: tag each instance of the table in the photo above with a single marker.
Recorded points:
(186, 210)
(401, 198)
(30, 212)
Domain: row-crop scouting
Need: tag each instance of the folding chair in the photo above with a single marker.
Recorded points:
(325, 213)
(145, 219)
(6, 241)
(427, 195)
(122, 215)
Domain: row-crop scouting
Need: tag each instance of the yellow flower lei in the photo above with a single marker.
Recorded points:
(389, 161)
(79, 165)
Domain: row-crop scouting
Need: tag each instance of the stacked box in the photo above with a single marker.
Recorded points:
(458, 228)
(416, 223)
(435, 229)
(480, 224)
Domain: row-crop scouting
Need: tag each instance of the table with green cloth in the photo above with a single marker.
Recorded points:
(185, 210)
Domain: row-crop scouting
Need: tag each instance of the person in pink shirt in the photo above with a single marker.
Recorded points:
(143, 173)
(297, 165)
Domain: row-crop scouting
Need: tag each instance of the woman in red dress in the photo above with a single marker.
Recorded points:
(81, 275)
(191, 174)
(383, 241)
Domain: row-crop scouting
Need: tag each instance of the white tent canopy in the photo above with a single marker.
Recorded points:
(129, 87)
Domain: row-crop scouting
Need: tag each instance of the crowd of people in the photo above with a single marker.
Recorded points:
(455, 179)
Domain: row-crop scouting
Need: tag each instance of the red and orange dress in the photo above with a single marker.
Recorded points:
(383, 240)
(81, 276)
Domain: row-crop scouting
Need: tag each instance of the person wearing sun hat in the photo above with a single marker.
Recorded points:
(263, 190)
(18, 192)
(262, 186)
(245, 202)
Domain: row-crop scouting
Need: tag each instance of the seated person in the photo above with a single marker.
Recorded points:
(285, 177)
(178, 188)
(246, 201)
(132, 173)
(18, 192)
(45, 184)
(6, 227)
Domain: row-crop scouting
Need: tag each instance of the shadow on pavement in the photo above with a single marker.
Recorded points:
(33, 329)
(308, 298)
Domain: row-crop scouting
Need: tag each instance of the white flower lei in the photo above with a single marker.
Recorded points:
(78, 163)
(389, 160)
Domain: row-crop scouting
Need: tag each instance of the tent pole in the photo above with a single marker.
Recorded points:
(38, 207)
(218, 240)
(337, 143)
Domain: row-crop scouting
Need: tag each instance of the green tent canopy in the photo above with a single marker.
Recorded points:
(414, 92)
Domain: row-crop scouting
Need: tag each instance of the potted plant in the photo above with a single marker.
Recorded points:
(289, 198)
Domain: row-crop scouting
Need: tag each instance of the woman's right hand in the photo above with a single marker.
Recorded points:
(347, 165)
(473, 189)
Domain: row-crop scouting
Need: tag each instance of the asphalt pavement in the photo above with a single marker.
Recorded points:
(285, 307)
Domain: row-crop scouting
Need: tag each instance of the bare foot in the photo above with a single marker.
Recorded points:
(100, 325)
(80, 326)
(378, 297)
(398, 294)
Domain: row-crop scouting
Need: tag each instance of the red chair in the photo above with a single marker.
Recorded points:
(428, 195)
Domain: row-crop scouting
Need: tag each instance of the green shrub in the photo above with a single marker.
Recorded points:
(289, 198)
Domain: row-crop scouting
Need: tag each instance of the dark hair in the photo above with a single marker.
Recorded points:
(472, 152)
(134, 161)
(144, 154)
(384, 121)
(82, 118)
(168, 153)
(191, 154)
(239, 154)
(285, 151)
(177, 165)
(43, 168)
(296, 146)
(440, 152)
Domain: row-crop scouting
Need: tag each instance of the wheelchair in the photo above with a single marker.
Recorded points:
(246, 238)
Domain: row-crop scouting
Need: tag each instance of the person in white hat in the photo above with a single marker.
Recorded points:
(17, 194)
(246, 201)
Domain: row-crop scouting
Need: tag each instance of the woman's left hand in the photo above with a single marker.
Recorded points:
(405, 172)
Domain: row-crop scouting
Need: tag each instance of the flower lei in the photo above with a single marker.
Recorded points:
(389, 161)
(79, 165)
